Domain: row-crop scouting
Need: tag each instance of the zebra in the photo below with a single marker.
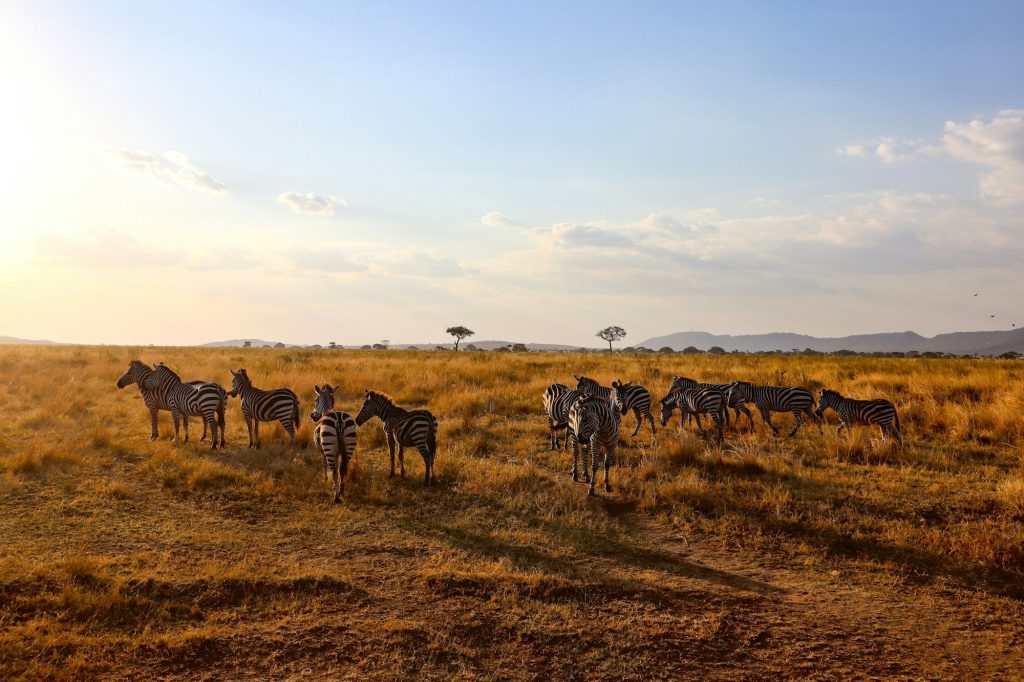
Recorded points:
(558, 399)
(768, 399)
(155, 399)
(879, 412)
(696, 401)
(595, 421)
(279, 404)
(206, 400)
(334, 435)
(735, 402)
(403, 428)
(633, 397)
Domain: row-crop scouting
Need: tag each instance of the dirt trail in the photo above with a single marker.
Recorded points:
(832, 625)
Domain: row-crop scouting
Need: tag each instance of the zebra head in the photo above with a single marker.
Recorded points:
(137, 372)
(682, 382)
(744, 390)
(372, 407)
(585, 384)
(616, 396)
(239, 380)
(324, 401)
(668, 406)
(827, 399)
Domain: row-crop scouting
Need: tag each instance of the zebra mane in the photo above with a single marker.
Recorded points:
(828, 391)
(693, 381)
(380, 394)
(166, 370)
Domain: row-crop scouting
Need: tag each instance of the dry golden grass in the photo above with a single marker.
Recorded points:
(817, 556)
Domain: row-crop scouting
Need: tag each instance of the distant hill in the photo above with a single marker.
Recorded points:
(960, 343)
(257, 343)
(12, 340)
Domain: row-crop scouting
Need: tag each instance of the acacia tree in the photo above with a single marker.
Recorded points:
(459, 333)
(610, 334)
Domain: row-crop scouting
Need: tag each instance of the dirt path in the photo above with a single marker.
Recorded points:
(838, 626)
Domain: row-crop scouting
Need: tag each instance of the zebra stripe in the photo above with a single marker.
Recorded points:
(279, 404)
(734, 401)
(334, 436)
(768, 399)
(635, 398)
(879, 412)
(206, 400)
(595, 421)
(154, 399)
(695, 401)
(558, 399)
(403, 428)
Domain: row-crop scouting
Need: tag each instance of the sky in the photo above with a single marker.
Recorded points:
(178, 173)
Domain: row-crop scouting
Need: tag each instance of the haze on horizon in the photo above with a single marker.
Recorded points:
(180, 173)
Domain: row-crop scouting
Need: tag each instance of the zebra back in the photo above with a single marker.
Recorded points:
(588, 385)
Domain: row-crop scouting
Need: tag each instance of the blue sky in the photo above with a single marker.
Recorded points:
(356, 171)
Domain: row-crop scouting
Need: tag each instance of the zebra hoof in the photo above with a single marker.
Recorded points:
(591, 493)
(607, 488)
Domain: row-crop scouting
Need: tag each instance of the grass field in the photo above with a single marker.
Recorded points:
(768, 558)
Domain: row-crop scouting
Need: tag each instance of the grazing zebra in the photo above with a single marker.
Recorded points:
(206, 400)
(734, 401)
(633, 397)
(155, 399)
(279, 404)
(696, 401)
(335, 437)
(595, 421)
(403, 428)
(558, 399)
(768, 399)
(880, 412)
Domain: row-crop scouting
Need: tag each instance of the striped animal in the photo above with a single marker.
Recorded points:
(696, 401)
(632, 397)
(206, 400)
(335, 437)
(558, 399)
(595, 421)
(155, 399)
(735, 402)
(768, 399)
(279, 404)
(403, 428)
(879, 412)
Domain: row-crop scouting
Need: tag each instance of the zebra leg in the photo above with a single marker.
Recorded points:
(220, 423)
(211, 418)
(766, 415)
(290, 428)
(575, 461)
(153, 424)
(203, 437)
(391, 451)
(427, 464)
(816, 419)
(401, 459)
(248, 426)
(593, 466)
(718, 422)
(326, 465)
(650, 418)
(609, 456)
(750, 416)
(796, 427)
(175, 417)
(639, 420)
(184, 419)
(699, 424)
(338, 483)
(256, 430)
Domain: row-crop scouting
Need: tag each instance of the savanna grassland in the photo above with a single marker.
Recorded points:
(769, 558)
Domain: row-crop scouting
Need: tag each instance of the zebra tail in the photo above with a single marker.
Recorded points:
(432, 439)
(295, 414)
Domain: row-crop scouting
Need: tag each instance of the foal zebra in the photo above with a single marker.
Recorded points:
(696, 401)
(403, 428)
(558, 399)
(206, 400)
(631, 397)
(155, 399)
(734, 401)
(595, 421)
(768, 399)
(334, 435)
(279, 404)
(879, 412)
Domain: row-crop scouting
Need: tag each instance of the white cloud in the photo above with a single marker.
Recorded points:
(324, 259)
(311, 204)
(417, 263)
(104, 250)
(997, 143)
(496, 219)
(169, 166)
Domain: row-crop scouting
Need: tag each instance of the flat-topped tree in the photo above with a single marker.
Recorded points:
(459, 333)
(611, 334)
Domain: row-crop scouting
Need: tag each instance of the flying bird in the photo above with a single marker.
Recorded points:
(991, 315)
(975, 294)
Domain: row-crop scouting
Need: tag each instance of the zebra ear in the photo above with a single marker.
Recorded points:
(335, 389)
(316, 387)
(233, 372)
(575, 377)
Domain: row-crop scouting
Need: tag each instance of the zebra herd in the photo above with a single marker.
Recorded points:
(590, 415)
